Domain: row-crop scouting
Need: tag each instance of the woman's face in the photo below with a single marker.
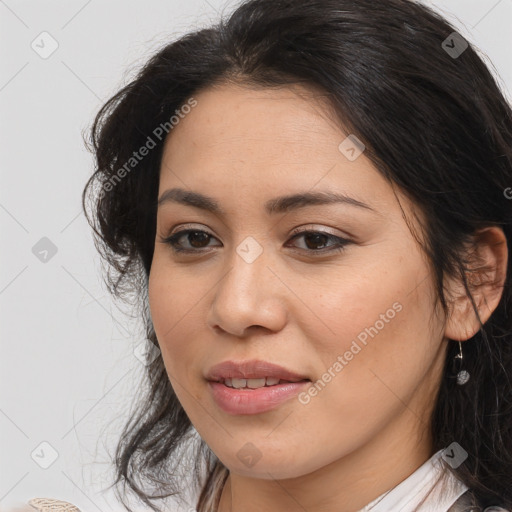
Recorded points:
(357, 322)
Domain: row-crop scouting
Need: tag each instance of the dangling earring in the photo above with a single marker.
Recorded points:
(462, 375)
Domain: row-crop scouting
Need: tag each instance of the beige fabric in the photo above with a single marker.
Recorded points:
(52, 505)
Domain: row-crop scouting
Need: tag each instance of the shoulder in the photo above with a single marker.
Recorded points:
(468, 503)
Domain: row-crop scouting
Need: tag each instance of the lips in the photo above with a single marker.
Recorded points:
(253, 369)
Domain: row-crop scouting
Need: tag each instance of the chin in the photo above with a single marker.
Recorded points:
(268, 462)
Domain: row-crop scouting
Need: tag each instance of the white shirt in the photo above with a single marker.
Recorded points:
(409, 493)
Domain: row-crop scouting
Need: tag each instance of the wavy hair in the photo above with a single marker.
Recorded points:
(435, 124)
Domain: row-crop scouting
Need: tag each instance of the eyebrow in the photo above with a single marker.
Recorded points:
(273, 206)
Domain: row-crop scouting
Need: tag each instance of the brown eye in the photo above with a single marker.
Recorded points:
(316, 241)
(197, 239)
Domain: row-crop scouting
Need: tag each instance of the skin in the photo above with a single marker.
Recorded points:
(367, 429)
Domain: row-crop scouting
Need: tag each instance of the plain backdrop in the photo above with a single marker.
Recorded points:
(68, 368)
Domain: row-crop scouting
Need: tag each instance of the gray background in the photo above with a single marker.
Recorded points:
(67, 367)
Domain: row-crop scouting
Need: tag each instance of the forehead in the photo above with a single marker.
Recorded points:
(241, 142)
(238, 117)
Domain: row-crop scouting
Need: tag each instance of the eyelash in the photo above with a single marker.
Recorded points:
(172, 241)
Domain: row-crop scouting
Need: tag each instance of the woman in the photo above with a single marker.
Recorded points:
(312, 202)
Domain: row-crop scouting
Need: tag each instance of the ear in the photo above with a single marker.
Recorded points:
(487, 257)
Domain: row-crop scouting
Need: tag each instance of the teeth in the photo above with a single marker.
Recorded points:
(238, 383)
(251, 383)
(255, 383)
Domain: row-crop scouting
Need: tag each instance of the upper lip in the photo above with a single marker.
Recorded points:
(253, 369)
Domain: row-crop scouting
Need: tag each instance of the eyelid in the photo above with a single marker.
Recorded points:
(299, 229)
(184, 227)
(315, 227)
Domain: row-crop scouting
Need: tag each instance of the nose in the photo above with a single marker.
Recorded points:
(250, 295)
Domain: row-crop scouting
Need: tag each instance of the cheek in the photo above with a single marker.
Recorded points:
(174, 312)
(378, 356)
(372, 332)
(178, 306)
(354, 308)
(378, 302)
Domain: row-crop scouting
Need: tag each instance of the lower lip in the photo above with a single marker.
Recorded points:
(254, 401)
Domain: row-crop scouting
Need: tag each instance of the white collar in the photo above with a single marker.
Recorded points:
(409, 493)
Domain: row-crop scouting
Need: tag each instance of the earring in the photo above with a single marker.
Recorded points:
(462, 375)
